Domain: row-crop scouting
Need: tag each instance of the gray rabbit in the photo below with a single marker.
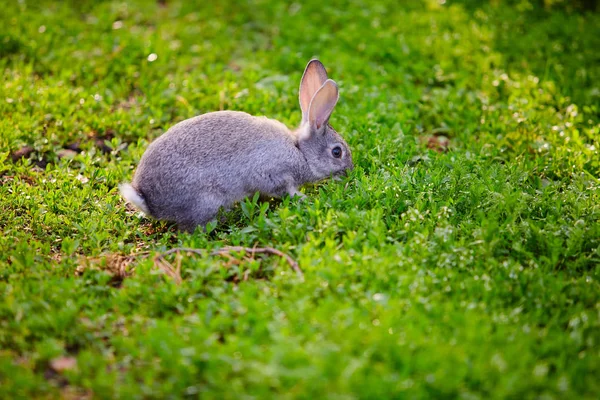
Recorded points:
(216, 159)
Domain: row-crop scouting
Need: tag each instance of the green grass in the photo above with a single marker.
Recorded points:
(471, 273)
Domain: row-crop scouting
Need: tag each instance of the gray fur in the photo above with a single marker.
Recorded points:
(214, 160)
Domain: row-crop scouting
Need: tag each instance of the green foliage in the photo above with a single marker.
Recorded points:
(471, 273)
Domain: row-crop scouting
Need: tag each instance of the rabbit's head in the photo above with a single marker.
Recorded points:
(326, 152)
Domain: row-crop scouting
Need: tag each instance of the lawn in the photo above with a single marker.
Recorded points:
(459, 259)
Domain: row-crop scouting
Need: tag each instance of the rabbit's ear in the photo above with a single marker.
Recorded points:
(313, 78)
(322, 104)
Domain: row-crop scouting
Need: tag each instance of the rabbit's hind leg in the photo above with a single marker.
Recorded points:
(200, 213)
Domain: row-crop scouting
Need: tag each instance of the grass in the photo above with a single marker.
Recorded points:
(468, 273)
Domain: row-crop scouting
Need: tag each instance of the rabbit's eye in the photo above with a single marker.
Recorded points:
(336, 152)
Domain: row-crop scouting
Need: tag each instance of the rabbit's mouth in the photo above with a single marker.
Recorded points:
(340, 175)
(346, 171)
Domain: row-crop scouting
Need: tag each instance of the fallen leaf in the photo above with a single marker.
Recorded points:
(438, 143)
(66, 153)
(24, 151)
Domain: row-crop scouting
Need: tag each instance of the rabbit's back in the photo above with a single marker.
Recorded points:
(219, 157)
(217, 137)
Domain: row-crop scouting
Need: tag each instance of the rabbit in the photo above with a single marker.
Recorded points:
(214, 160)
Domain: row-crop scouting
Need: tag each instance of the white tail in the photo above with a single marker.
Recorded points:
(132, 196)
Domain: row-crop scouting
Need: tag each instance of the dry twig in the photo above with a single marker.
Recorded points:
(161, 262)
(118, 265)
